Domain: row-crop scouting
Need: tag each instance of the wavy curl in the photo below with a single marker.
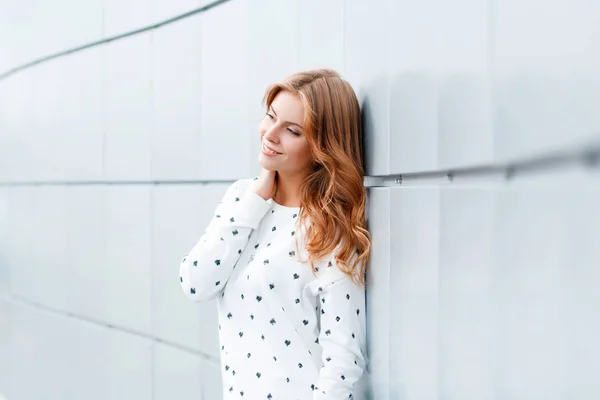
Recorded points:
(332, 196)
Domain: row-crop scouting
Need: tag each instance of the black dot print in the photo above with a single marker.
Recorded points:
(218, 262)
(271, 286)
(241, 334)
(348, 296)
(229, 315)
(297, 301)
(287, 342)
(274, 229)
(305, 322)
(217, 283)
(231, 219)
(272, 321)
(234, 232)
(195, 263)
(192, 290)
(258, 298)
(296, 276)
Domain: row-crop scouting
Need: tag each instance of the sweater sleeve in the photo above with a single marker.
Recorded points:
(205, 270)
(342, 336)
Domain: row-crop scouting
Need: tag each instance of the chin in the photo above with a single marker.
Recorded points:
(266, 165)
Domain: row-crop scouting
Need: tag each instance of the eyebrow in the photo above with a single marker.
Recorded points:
(287, 122)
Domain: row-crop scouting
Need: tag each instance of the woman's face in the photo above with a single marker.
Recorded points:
(283, 142)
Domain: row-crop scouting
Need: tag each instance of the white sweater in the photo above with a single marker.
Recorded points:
(284, 333)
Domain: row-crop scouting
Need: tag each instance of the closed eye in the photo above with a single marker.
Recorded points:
(270, 116)
(293, 132)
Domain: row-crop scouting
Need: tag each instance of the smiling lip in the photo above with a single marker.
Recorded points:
(268, 151)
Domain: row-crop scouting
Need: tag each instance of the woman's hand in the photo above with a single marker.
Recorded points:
(266, 185)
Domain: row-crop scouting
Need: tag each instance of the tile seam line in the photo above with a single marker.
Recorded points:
(156, 25)
(20, 301)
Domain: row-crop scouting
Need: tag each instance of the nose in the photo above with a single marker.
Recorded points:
(271, 134)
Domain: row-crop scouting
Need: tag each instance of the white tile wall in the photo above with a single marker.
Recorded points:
(175, 230)
(414, 280)
(128, 109)
(124, 16)
(176, 101)
(16, 100)
(546, 82)
(128, 269)
(5, 347)
(227, 128)
(320, 35)
(467, 298)
(378, 281)
(80, 119)
(86, 228)
(366, 67)
(177, 374)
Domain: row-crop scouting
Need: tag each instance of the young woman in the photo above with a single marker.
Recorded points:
(285, 253)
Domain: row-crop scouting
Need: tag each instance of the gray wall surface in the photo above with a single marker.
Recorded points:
(482, 136)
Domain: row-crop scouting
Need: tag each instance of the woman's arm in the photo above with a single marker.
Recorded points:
(204, 271)
(342, 336)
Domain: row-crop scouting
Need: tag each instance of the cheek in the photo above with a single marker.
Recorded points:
(300, 152)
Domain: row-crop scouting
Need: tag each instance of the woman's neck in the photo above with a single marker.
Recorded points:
(288, 190)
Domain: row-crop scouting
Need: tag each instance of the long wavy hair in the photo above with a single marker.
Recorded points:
(332, 196)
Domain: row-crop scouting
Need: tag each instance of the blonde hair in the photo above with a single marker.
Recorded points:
(333, 195)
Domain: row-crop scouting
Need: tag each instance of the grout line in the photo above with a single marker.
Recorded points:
(49, 57)
(82, 318)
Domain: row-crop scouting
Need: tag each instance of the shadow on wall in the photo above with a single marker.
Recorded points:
(468, 119)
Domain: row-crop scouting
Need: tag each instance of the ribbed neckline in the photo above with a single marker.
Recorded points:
(279, 206)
